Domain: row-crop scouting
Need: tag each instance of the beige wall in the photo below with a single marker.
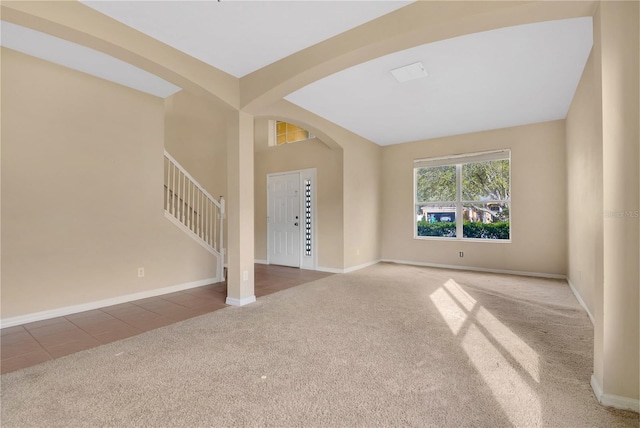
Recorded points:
(363, 202)
(620, 33)
(538, 206)
(602, 178)
(195, 135)
(584, 187)
(302, 155)
(82, 192)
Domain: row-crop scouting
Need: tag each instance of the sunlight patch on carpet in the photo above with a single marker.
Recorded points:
(518, 400)
(496, 352)
(450, 311)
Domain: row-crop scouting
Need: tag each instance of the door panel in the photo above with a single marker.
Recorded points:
(284, 219)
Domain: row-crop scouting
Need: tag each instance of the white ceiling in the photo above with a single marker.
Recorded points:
(239, 37)
(83, 59)
(495, 79)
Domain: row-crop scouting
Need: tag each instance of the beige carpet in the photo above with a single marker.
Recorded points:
(389, 345)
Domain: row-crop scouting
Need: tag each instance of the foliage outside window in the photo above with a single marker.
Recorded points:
(289, 133)
(463, 197)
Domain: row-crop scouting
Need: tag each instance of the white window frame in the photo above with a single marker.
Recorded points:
(458, 161)
(272, 134)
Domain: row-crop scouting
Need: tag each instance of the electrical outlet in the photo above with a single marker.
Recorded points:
(245, 275)
(358, 252)
(461, 253)
(140, 272)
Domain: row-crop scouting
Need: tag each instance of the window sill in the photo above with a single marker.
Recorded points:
(446, 239)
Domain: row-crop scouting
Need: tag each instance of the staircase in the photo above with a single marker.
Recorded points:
(190, 207)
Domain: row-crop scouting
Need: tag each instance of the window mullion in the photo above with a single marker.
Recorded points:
(485, 175)
(459, 220)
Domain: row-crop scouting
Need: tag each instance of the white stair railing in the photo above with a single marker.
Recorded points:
(193, 209)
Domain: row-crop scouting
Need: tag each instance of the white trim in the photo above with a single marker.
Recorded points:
(192, 235)
(68, 310)
(492, 155)
(597, 390)
(616, 401)
(271, 133)
(329, 270)
(458, 161)
(193, 180)
(240, 302)
(463, 239)
(477, 269)
(362, 266)
(347, 270)
(304, 262)
(582, 303)
(261, 261)
(219, 255)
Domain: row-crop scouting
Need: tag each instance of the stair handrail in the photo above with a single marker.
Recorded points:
(220, 204)
(194, 181)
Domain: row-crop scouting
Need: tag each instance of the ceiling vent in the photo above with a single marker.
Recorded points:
(409, 72)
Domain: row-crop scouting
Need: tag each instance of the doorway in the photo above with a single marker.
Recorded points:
(291, 237)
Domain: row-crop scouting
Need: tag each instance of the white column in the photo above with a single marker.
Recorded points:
(617, 324)
(239, 209)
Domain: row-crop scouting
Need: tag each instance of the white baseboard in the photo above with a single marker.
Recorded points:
(597, 390)
(582, 303)
(191, 234)
(362, 266)
(616, 401)
(478, 269)
(240, 302)
(347, 270)
(329, 270)
(261, 262)
(74, 309)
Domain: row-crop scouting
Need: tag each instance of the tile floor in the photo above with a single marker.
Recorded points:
(29, 344)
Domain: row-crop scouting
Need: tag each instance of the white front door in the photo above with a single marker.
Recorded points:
(284, 219)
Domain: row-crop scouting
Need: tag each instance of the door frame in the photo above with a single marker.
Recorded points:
(306, 262)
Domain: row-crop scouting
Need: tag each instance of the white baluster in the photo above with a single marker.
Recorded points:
(213, 224)
(173, 191)
(168, 181)
(198, 203)
(184, 197)
(222, 211)
(211, 231)
(189, 190)
(206, 215)
(209, 221)
(215, 234)
(179, 206)
(200, 215)
(192, 224)
(196, 211)
(179, 199)
(193, 207)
